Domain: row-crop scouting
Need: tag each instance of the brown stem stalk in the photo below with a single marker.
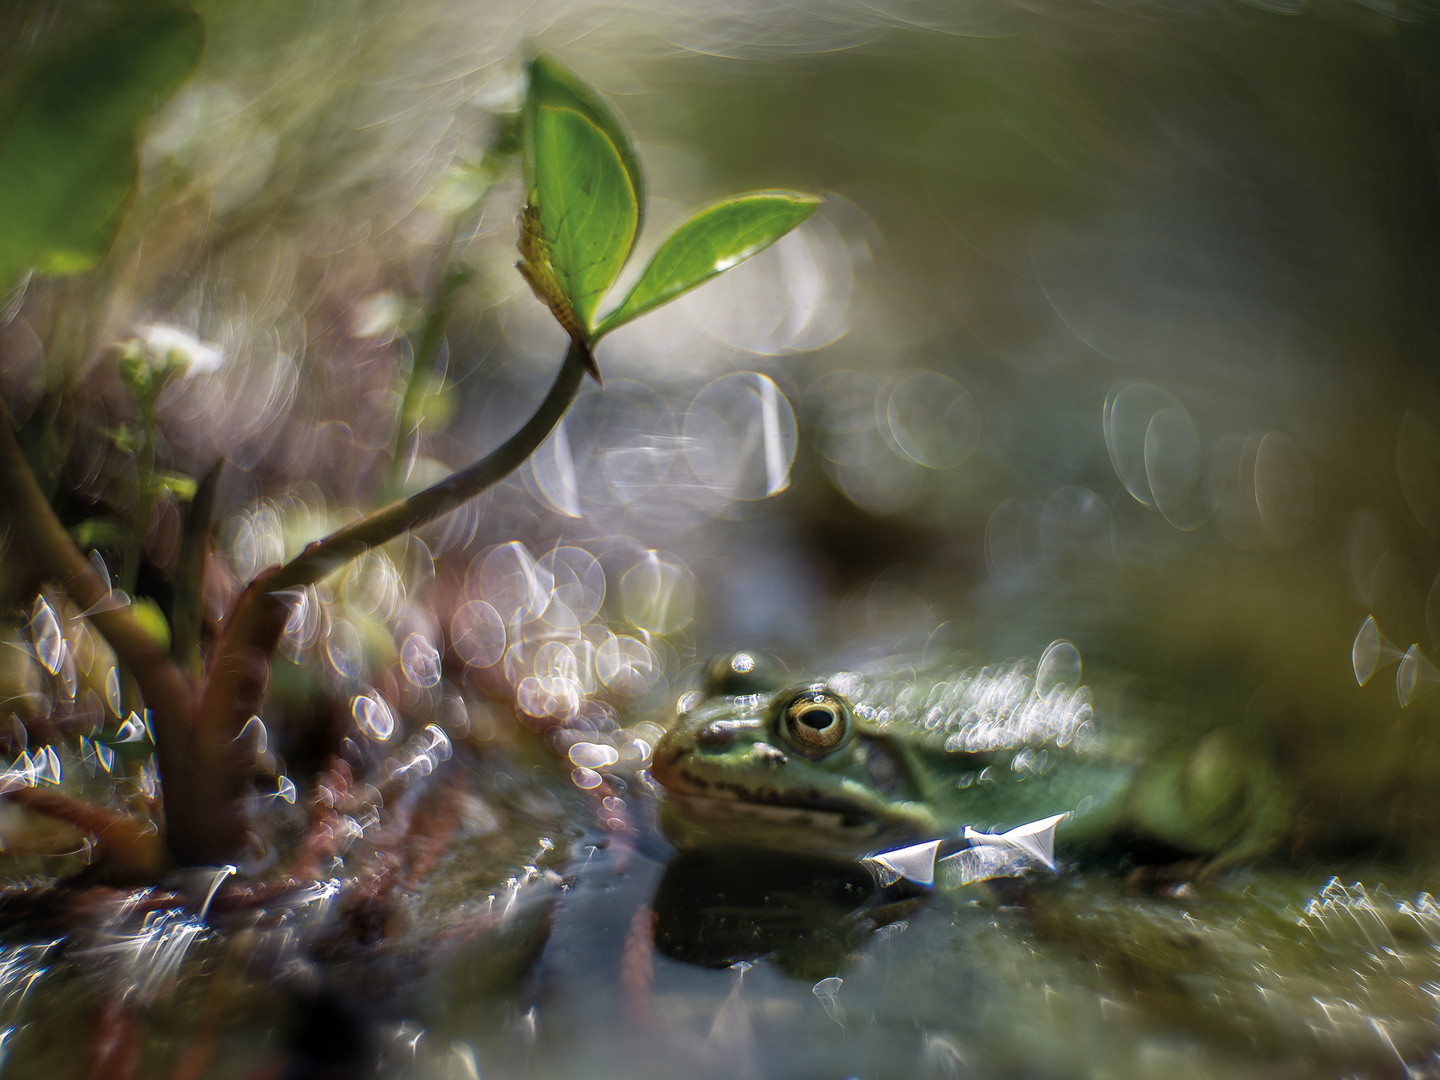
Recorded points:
(168, 693)
(240, 662)
(204, 771)
(132, 853)
(323, 557)
(187, 610)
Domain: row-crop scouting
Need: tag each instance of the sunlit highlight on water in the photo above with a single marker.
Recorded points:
(373, 715)
(740, 437)
(828, 993)
(1415, 675)
(50, 647)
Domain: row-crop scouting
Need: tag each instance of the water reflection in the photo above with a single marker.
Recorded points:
(803, 916)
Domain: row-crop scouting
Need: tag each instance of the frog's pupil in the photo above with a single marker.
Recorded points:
(817, 718)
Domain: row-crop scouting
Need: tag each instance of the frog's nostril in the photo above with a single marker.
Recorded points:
(716, 733)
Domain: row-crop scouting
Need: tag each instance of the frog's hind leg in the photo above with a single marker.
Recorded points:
(1220, 798)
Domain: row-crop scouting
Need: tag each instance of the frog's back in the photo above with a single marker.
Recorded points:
(1005, 744)
(974, 710)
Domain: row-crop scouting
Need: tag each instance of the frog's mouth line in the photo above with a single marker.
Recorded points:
(699, 789)
(779, 825)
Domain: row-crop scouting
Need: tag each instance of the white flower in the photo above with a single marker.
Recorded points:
(378, 315)
(174, 346)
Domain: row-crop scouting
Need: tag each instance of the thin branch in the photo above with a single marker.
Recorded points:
(133, 852)
(239, 664)
(59, 560)
(236, 676)
(204, 773)
(324, 557)
(134, 551)
(188, 604)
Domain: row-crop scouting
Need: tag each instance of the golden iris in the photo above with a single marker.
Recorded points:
(815, 719)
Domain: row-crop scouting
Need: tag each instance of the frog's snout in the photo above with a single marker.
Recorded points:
(665, 758)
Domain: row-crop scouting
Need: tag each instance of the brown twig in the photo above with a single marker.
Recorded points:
(240, 663)
(322, 839)
(187, 608)
(416, 841)
(115, 1049)
(430, 831)
(324, 557)
(637, 965)
(234, 691)
(204, 771)
(132, 853)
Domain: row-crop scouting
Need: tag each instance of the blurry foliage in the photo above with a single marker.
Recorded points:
(68, 128)
(579, 227)
(147, 750)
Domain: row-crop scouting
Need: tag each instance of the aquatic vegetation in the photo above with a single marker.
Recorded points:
(580, 224)
(109, 689)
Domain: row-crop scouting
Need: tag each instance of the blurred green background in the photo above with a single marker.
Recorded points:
(1119, 324)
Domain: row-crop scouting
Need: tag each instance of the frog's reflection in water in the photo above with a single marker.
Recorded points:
(807, 916)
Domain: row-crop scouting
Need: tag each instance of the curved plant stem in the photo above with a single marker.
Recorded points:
(144, 499)
(325, 556)
(135, 852)
(238, 669)
(187, 606)
(204, 772)
(58, 559)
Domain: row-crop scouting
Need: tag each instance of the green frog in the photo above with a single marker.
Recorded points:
(862, 762)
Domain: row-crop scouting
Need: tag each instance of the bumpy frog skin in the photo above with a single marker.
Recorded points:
(857, 763)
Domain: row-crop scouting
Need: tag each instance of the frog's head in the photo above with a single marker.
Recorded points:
(758, 763)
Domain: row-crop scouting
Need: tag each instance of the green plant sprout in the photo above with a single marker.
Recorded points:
(584, 209)
(583, 214)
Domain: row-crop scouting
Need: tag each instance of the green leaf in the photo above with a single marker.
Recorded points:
(148, 614)
(68, 130)
(711, 242)
(178, 484)
(586, 205)
(97, 532)
(552, 85)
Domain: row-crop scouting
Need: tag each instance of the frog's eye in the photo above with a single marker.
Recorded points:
(815, 719)
(744, 671)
